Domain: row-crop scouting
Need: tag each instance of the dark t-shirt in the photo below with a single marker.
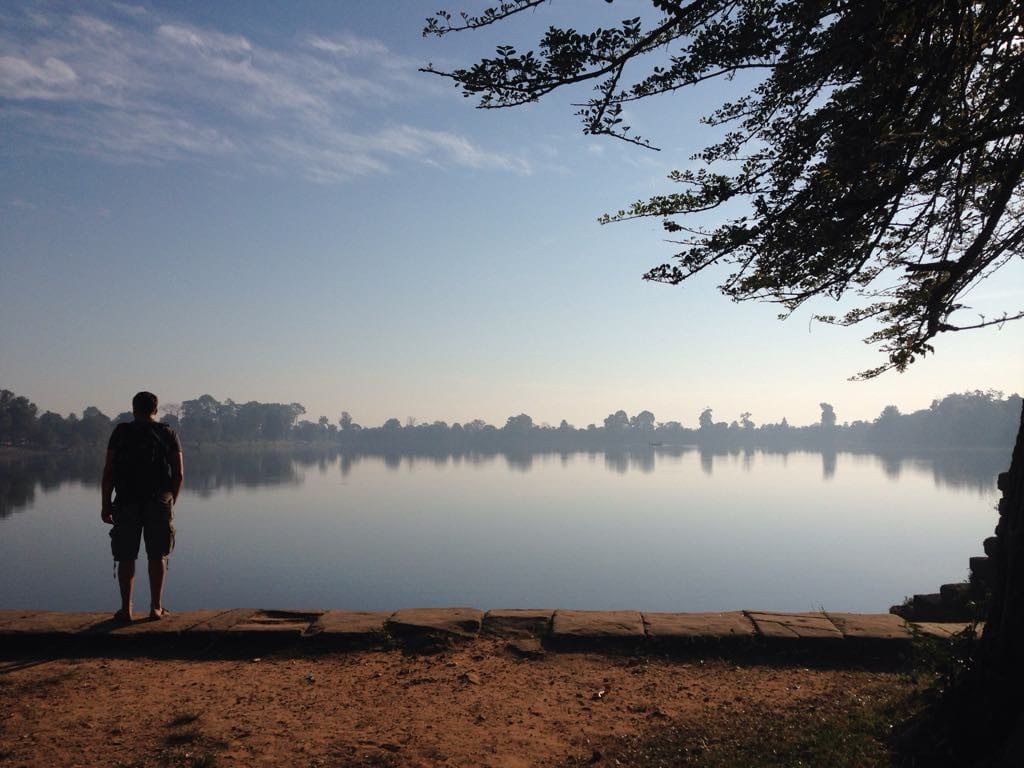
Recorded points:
(144, 458)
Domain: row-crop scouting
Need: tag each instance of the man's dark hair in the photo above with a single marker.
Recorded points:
(144, 404)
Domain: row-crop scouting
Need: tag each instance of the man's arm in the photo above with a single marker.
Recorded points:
(177, 474)
(107, 489)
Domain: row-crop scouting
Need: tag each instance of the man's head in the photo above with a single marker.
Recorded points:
(144, 405)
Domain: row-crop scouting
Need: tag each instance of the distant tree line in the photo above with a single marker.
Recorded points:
(965, 420)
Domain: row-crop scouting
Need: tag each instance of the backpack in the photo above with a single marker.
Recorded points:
(142, 460)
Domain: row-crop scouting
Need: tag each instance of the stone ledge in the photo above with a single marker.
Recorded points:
(348, 627)
(52, 624)
(518, 622)
(941, 630)
(8, 616)
(794, 626)
(176, 624)
(454, 622)
(281, 624)
(872, 627)
(219, 623)
(596, 628)
(848, 634)
(694, 627)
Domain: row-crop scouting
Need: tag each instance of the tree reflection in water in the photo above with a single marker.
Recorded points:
(211, 470)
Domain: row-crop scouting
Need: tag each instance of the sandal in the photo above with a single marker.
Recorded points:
(122, 617)
(155, 614)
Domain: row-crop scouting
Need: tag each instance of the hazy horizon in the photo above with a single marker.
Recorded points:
(270, 203)
(687, 420)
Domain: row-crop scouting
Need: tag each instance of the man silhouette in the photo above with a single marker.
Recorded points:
(144, 467)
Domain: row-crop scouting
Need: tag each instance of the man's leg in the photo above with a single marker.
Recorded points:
(157, 574)
(158, 531)
(124, 545)
(126, 580)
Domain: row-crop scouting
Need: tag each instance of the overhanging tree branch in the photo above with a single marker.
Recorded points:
(885, 142)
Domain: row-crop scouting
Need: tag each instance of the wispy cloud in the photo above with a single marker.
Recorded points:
(348, 46)
(26, 80)
(119, 82)
(415, 142)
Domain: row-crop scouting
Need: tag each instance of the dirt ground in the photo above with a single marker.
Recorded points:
(477, 705)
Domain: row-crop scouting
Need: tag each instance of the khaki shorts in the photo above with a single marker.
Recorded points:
(152, 520)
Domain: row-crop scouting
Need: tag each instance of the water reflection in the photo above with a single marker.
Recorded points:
(828, 464)
(211, 471)
(20, 479)
(519, 460)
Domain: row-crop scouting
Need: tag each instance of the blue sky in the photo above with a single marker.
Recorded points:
(267, 201)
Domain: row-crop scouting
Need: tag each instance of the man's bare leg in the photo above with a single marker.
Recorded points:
(157, 574)
(126, 580)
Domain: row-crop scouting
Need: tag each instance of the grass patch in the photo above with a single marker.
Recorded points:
(852, 739)
(963, 722)
(846, 730)
(945, 662)
(865, 727)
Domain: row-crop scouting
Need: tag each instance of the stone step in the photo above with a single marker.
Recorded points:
(982, 569)
(956, 595)
(927, 607)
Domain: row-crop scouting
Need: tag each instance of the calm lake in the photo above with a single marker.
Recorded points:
(662, 529)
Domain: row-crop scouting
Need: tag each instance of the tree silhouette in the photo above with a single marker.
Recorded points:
(828, 417)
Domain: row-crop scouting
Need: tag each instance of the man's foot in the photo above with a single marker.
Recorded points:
(123, 616)
(158, 613)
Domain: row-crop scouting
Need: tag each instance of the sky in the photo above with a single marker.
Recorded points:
(268, 201)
